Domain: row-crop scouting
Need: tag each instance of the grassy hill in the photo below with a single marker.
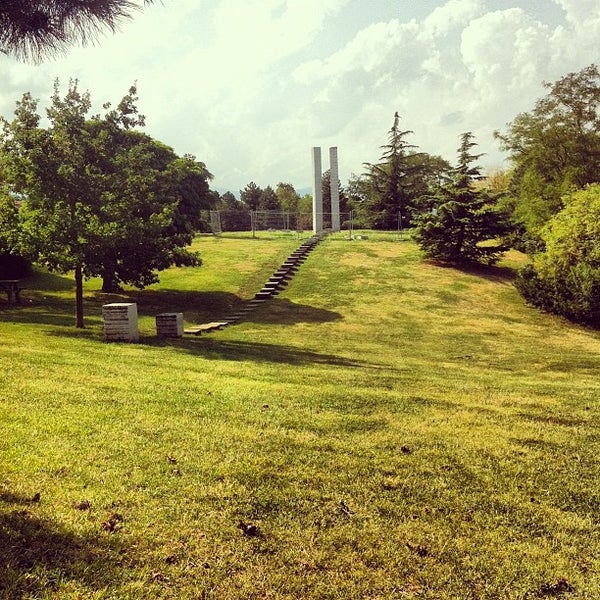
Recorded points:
(384, 428)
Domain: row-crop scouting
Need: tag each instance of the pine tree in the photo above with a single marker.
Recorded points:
(465, 223)
(33, 29)
(392, 180)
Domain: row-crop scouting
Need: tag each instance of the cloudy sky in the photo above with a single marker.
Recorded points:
(249, 86)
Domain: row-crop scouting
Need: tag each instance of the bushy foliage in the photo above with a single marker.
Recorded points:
(565, 277)
(555, 148)
(97, 198)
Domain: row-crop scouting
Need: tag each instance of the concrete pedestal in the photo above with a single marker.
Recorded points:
(169, 325)
(120, 322)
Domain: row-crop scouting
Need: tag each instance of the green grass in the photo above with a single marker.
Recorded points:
(391, 428)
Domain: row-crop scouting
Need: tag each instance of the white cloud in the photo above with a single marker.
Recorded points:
(446, 18)
(249, 86)
(500, 48)
(580, 11)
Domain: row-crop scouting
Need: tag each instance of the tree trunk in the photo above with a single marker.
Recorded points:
(79, 297)
(110, 283)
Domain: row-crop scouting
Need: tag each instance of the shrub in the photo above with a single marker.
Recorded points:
(565, 277)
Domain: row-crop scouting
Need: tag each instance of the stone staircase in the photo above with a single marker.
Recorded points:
(272, 287)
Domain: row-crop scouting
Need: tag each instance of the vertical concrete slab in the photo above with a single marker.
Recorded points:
(335, 189)
(317, 190)
(120, 322)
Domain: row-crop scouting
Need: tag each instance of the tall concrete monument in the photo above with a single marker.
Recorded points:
(317, 190)
(335, 188)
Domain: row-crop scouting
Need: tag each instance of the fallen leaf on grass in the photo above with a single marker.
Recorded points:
(113, 522)
(419, 550)
(345, 509)
(557, 588)
(249, 530)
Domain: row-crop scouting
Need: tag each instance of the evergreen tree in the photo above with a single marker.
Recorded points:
(268, 199)
(234, 215)
(464, 222)
(250, 196)
(392, 180)
(32, 29)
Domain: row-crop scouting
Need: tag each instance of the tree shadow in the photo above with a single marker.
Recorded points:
(500, 274)
(197, 308)
(283, 311)
(37, 554)
(238, 350)
(194, 305)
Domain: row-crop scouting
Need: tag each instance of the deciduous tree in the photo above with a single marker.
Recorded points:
(555, 148)
(98, 197)
(288, 197)
(565, 277)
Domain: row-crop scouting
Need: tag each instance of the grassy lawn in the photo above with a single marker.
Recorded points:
(383, 428)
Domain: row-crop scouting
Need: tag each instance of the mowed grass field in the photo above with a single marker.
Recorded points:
(383, 428)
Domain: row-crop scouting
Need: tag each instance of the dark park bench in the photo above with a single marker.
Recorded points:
(13, 288)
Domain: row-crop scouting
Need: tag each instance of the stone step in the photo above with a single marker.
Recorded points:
(263, 294)
(279, 279)
(205, 327)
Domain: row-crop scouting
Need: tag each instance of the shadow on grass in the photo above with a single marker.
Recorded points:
(152, 302)
(198, 307)
(492, 272)
(285, 312)
(38, 555)
(216, 349)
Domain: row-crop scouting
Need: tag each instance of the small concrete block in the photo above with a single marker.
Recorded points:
(120, 322)
(169, 325)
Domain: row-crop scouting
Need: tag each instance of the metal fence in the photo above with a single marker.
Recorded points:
(219, 221)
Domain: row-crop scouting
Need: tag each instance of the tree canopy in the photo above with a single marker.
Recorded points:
(98, 197)
(251, 195)
(391, 179)
(34, 29)
(555, 148)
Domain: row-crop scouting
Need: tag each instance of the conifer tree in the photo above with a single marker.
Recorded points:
(465, 222)
(392, 180)
(34, 29)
